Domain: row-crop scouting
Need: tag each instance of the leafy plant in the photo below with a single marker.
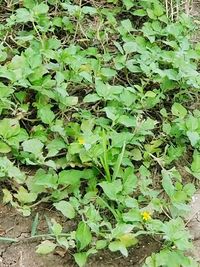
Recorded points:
(98, 101)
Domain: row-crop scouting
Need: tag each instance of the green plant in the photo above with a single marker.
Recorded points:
(98, 104)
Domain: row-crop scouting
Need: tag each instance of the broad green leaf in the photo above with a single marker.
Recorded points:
(23, 15)
(127, 121)
(55, 146)
(130, 47)
(167, 183)
(40, 9)
(107, 72)
(66, 208)
(4, 148)
(34, 146)
(140, 13)
(128, 240)
(132, 216)
(129, 3)
(178, 110)
(7, 196)
(127, 25)
(46, 114)
(118, 246)
(56, 228)
(158, 9)
(81, 258)
(24, 196)
(101, 244)
(194, 137)
(91, 98)
(137, 155)
(129, 181)
(83, 235)
(9, 128)
(195, 167)
(45, 247)
(111, 189)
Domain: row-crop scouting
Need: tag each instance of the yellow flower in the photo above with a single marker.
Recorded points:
(146, 216)
(81, 140)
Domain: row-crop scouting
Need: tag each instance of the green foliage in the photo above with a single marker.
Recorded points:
(96, 100)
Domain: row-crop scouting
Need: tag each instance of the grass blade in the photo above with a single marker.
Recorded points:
(35, 225)
(8, 239)
(118, 163)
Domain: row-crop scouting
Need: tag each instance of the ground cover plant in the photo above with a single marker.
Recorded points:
(99, 105)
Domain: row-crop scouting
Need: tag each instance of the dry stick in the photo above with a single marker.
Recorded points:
(192, 217)
(172, 11)
(166, 7)
(177, 8)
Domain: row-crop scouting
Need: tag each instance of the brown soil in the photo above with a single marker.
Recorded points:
(22, 254)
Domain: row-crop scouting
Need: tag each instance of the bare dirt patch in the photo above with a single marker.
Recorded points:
(193, 224)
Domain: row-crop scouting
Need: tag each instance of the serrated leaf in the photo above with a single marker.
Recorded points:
(46, 114)
(7, 196)
(23, 196)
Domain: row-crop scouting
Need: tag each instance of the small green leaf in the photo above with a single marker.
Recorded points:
(34, 146)
(130, 47)
(23, 15)
(83, 235)
(194, 137)
(40, 9)
(24, 196)
(46, 114)
(127, 25)
(137, 155)
(45, 247)
(7, 196)
(4, 148)
(178, 110)
(81, 258)
(118, 246)
(128, 3)
(111, 189)
(9, 128)
(66, 208)
(91, 98)
(101, 244)
(128, 240)
(195, 167)
(56, 228)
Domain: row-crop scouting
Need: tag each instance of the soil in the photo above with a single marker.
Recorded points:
(22, 254)
(193, 224)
